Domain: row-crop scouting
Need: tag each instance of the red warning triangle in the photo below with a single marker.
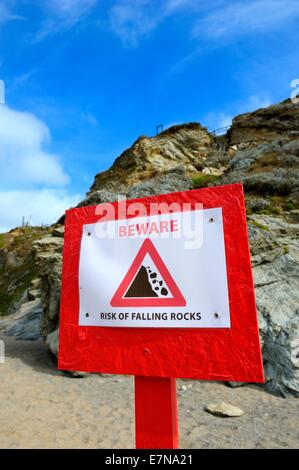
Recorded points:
(130, 294)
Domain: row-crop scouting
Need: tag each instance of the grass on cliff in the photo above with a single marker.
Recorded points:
(15, 279)
(202, 181)
(2, 240)
(13, 286)
(277, 206)
(258, 225)
(20, 239)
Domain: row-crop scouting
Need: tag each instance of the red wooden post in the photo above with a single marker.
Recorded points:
(156, 413)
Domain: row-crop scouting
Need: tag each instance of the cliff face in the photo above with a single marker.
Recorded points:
(264, 155)
(21, 307)
(266, 124)
(261, 149)
(188, 145)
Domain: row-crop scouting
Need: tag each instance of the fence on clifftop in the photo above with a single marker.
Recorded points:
(220, 131)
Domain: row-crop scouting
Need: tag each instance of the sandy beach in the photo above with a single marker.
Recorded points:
(41, 407)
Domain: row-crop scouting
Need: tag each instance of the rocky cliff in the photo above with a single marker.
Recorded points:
(188, 145)
(261, 149)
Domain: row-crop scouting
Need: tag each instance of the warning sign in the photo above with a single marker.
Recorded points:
(161, 287)
(148, 282)
(172, 279)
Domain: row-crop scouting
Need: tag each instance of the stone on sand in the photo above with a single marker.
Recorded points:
(224, 409)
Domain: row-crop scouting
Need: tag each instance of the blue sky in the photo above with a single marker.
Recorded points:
(84, 78)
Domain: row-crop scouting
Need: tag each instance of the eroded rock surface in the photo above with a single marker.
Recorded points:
(189, 145)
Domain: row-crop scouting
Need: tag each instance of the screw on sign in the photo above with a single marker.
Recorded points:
(160, 288)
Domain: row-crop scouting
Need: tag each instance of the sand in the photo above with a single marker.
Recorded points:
(41, 407)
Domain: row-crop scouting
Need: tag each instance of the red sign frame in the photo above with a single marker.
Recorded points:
(226, 354)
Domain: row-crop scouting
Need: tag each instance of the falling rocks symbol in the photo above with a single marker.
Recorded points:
(145, 284)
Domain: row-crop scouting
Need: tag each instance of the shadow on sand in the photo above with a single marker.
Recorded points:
(34, 354)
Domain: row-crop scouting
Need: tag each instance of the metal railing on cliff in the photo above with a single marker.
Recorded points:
(220, 131)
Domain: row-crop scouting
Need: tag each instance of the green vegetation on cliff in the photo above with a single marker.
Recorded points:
(17, 268)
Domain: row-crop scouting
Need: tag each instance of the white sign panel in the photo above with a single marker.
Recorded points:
(163, 271)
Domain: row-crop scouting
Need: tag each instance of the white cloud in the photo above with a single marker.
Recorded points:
(90, 118)
(31, 178)
(6, 15)
(131, 20)
(21, 79)
(38, 206)
(239, 18)
(23, 157)
(217, 120)
(62, 15)
(71, 11)
(255, 102)
(217, 24)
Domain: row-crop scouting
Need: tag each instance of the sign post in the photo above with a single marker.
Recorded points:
(160, 288)
(156, 413)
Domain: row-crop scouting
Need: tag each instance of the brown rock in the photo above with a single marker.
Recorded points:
(188, 145)
(265, 124)
(224, 410)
